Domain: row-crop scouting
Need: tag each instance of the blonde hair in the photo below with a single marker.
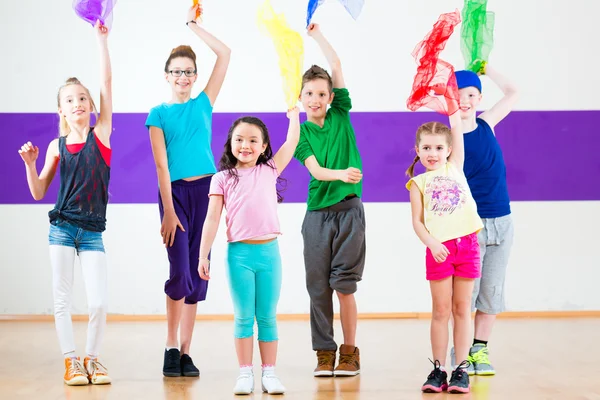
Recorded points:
(430, 128)
(63, 126)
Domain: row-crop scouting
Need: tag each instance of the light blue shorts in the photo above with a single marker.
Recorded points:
(66, 234)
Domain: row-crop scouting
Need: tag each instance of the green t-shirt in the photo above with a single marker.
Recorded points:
(334, 147)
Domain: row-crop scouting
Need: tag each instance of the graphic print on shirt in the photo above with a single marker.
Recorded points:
(445, 194)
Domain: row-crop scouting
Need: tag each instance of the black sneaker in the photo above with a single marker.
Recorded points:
(172, 365)
(459, 381)
(436, 381)
(187, 366)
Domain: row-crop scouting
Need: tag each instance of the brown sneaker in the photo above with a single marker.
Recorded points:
(326, 362)
(349, 361)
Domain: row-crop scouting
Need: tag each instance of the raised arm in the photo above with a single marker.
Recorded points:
(215, 82)
(504, 106)
(104, 124)
(170, 220)
(438, 250)
(457, 157)
(209, 232)
(38, 185)
(337, 77)
(285, 153)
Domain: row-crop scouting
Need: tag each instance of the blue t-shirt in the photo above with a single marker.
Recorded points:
(188, 132)
(486, 172)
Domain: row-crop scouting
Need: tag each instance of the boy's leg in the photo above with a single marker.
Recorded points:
(347, 265)
(490, 299)
(317, 231)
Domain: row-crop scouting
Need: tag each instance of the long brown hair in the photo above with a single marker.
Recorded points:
(63, 127)
(429, 128)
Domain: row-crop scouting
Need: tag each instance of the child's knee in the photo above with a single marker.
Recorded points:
(267, 328)
(441, 311)
(244, 327)
(461, 308)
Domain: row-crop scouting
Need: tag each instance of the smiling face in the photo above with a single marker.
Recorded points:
(247, 144)
(182, 66)
(470, 97)
(75, 104)
(433, 151)
(315, 97)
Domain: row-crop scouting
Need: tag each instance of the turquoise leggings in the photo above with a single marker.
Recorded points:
(255, 282)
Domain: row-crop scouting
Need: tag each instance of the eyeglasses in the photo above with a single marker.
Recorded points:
(177, 72)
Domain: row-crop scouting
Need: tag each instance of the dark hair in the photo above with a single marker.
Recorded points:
(315, 72)
(228, 160)
(181, 51)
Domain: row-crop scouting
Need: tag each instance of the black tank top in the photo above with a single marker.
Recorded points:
(83, 193)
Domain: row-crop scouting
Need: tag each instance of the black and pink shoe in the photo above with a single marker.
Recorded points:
(436, 381)
(459, 381)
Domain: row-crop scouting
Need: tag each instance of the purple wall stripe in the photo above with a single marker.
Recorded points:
(542, 149)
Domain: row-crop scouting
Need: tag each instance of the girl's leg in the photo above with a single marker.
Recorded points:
(174, 311)
(95, 278)
(62, 259)
(268, 288)
(188, 320)
(461, 310)
(243, 293)
(441, 295)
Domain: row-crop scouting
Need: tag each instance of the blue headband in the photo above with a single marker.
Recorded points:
(466, 79)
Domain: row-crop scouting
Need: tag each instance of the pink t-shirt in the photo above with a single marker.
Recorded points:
(251, 203)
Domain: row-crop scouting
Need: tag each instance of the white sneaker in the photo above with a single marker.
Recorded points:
(245, 382)
(271, 383)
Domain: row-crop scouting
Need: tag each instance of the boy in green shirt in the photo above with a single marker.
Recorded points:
(334, 226)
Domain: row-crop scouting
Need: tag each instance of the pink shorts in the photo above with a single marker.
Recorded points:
(463, 261)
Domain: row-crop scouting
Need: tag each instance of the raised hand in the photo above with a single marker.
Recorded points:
(29, 153)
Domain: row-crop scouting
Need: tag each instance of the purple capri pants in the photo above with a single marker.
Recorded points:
(190, 200)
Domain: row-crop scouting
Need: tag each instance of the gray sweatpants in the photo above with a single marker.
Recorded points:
(334, 259)
(495, 242)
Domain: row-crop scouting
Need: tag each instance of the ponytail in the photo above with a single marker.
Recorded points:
(411, 170)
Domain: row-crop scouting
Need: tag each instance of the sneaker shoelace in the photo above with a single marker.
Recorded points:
(460, 370)
(481, 356)
(77, 369)
(437, 372)
(326, 359)
(97, 368)
(347, 358)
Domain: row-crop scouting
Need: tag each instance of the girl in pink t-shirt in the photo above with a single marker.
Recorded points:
(246, 186)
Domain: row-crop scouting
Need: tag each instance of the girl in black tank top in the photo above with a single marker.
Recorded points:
(79, 216)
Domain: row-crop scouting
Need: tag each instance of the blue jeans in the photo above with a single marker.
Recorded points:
(255, 282)
(66, 234)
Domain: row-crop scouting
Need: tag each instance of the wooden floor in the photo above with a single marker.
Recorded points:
(534, 358)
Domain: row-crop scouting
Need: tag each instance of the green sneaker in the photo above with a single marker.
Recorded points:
(478, 356)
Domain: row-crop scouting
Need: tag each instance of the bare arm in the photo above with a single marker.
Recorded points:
(170, 220)
(211, 224)
(285, 153)
(416, 206)
(159, 151)
(209, 232)
(457, 157)
(332, 58)
(215, 82)
(38, 185)
(350, 175)
(104, 125)
(438, 250)
(504, 106)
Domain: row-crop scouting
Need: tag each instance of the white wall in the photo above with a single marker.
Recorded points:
(553, 266)
(548, 49)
